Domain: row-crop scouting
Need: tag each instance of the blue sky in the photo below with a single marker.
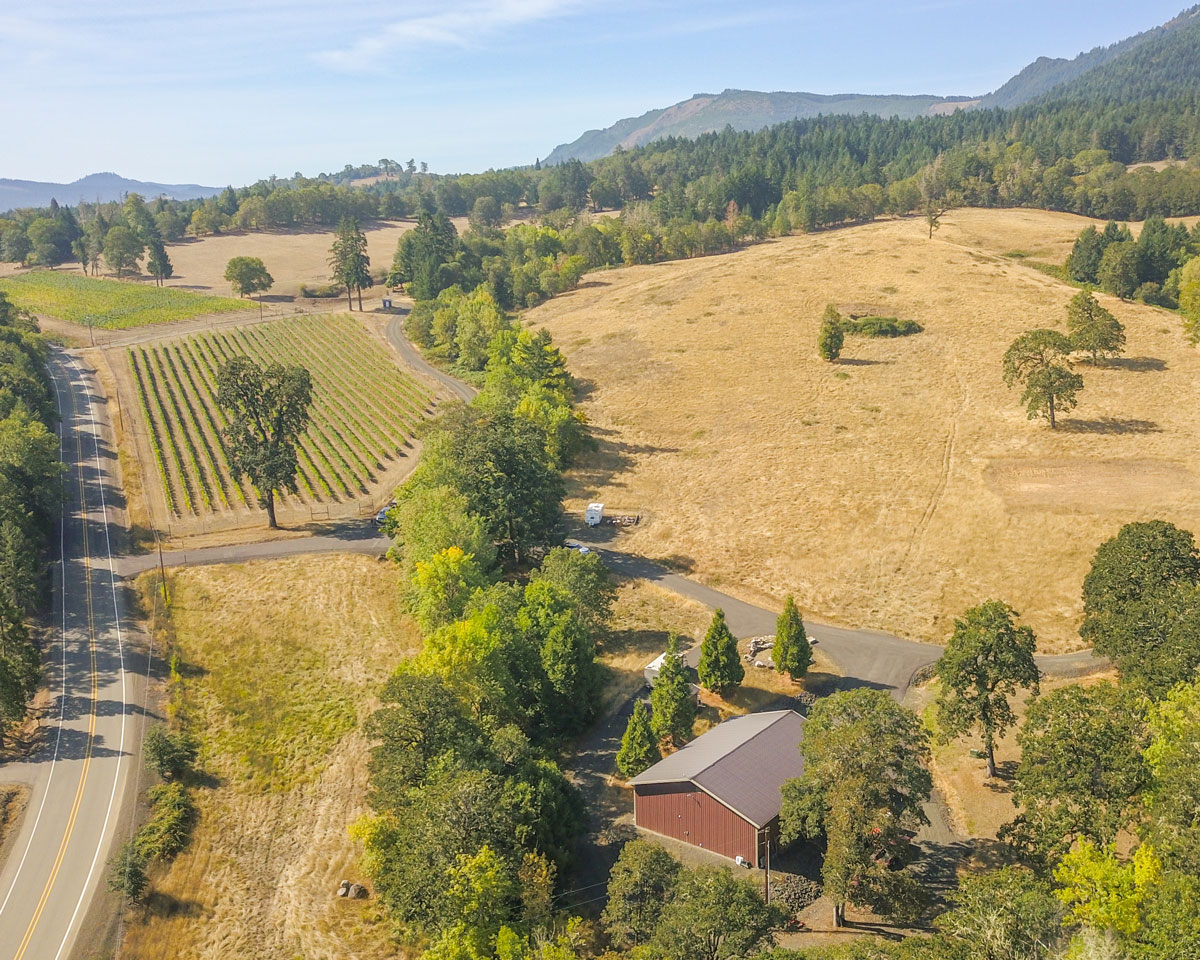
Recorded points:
(227, 91)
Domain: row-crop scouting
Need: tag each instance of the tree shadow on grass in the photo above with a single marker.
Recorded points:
(861, 362)
(159, 904)
(1137, 364)
(1110, 425)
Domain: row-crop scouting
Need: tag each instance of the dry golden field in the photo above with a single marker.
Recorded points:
(292, 257)
(904, 484)
(281, 661)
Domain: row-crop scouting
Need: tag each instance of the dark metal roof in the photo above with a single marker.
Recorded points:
(742, 762)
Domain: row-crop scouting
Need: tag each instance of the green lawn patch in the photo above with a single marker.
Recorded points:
(111, 304)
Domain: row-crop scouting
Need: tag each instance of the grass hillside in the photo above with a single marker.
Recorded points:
(899, 487)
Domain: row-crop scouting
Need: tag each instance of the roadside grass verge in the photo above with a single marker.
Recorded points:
(110, 304)
(278, 664)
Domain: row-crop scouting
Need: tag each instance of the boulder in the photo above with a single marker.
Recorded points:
(358, 891)
(344, 889)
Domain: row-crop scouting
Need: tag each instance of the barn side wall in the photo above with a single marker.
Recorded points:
(685, 812)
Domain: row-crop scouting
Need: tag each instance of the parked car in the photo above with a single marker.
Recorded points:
(381, 516)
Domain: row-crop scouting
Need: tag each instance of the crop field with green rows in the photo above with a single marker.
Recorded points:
(111, 304)
(364, 411)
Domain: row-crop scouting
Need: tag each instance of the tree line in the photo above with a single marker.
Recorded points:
(30, 497)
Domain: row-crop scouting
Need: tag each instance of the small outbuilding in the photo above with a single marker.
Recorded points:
(723, 791)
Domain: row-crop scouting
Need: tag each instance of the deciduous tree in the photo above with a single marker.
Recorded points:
(863, 786)
(987, 659)
(640, 884)
(248, 276)
(586, 580)
(712, 915)
(1093, 330)
(1081, 768)
(442, 585)
(268, 411)
(1035, 359)
(1006, 914)
(122, 250)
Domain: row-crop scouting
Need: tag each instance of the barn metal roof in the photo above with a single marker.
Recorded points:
(742, 762)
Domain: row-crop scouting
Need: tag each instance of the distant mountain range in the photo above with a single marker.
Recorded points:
(1162, 60)
(104, 187)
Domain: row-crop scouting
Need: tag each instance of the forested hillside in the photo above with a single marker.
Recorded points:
(741, 110)
(1046, 75)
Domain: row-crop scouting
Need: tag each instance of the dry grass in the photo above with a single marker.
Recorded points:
(280, 662)
(980, 807)
(644, 616)
(14, 797)
(905, 484)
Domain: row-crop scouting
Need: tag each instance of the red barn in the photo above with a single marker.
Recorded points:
(722, 791)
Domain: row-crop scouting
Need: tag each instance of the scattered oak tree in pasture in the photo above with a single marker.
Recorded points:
(672, 711)
(1093, 329)
(122, 250)
(639, 747)
(935, 200)
(1036, 359)
(268, 411)
(864, 783)
(831, 336)
(248, 276)
(1081, 768)
(348, 260)
(987, 659)
(1141, 607)
(792, 652)
(640, 884)
(158, 264)
(720, 668)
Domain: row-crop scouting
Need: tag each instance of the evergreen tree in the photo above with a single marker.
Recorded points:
(720, 667)
(672, 711)
(158, 264)
(830, 337)
(639, 749)
(348, 260)
(792, 652)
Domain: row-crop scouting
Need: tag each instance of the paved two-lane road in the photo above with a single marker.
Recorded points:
(80, 780)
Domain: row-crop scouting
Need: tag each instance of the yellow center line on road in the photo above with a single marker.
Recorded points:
(87, 759)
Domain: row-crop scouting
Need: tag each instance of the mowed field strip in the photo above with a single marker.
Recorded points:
(899, 487)
(364, 413)
(110, 304)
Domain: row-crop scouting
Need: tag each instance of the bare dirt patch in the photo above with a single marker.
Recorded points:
(867, 488)
(280, 662)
